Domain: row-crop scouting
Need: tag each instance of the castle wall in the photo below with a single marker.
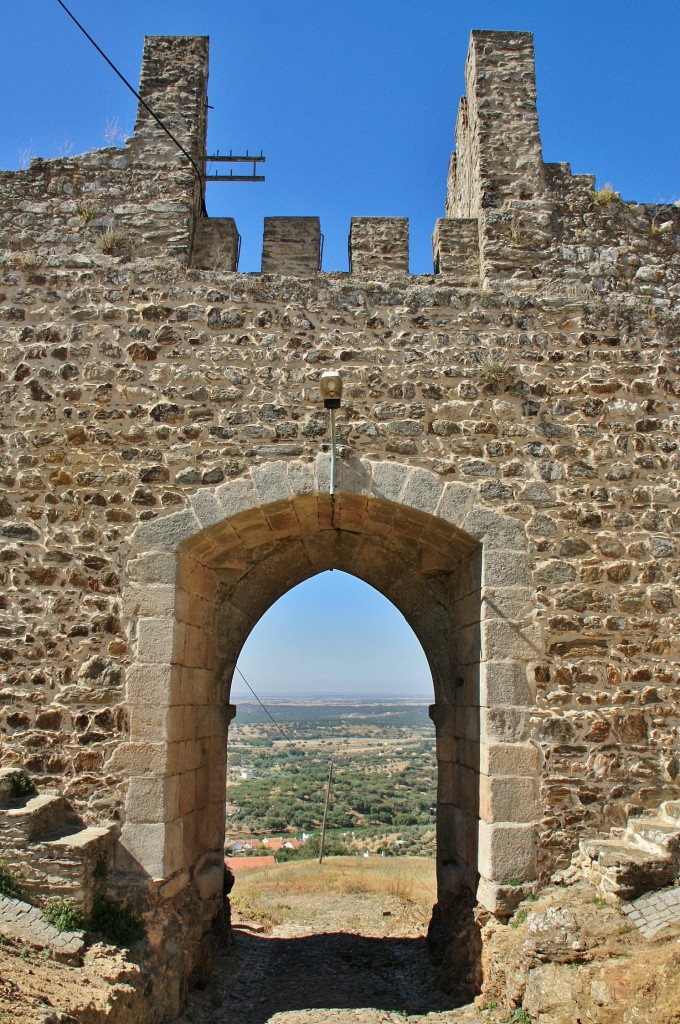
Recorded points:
(537, 369)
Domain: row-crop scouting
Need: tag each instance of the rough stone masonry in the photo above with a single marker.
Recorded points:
(510, 483)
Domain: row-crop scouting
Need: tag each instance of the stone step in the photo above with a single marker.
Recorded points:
(654, 834)
(39, 817)
(622, 869)
(670, 811)
(73, 867)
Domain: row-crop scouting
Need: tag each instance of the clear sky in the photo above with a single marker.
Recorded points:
(354, 104)
(333, 634)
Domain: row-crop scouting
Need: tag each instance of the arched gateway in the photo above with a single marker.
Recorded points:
(200, 580)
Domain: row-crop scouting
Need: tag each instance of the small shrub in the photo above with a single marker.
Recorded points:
(118, 924)
(65, 915)
(605, 196)
(21, 786)
(9, 886)
(112, 242)
(493, 371)
(521, 1016)
(491, 1005)
(519, 918)
(27, 260)
(86, 210)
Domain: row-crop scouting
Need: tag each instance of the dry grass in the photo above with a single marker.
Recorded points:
(269, 895)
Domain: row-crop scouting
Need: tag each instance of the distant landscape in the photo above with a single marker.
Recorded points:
(384, 773)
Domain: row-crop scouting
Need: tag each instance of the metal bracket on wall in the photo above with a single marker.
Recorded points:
(231, 159)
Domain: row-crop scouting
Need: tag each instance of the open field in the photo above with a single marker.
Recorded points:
(384, 770)
(309, 892)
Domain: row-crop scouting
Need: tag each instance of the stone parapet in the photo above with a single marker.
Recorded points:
(291, 246)
(378, 246)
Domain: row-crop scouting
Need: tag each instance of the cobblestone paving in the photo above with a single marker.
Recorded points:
(21, 921)
(334, 978)
(655, 911)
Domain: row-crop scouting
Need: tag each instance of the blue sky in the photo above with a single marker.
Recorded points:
(354, 104)
(333, 634)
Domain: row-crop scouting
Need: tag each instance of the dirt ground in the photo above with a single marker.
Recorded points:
(34, 989)
(345, 944)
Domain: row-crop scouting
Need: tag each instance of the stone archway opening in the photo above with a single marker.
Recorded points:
(201, 580)
(343, 680)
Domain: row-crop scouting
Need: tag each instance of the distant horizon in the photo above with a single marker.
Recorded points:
(315, 697)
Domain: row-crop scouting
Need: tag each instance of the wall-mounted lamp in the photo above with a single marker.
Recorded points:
(330, 386)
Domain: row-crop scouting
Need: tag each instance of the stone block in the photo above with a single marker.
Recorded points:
(152, 800)
(143, 758)
(151, 601)
(496, 532)
(466, 646)
(468, 791)
(510, 759)
(174, 848)
(503, 725)
(448, 783)
(503, 900)
(146, 845)
(422, 491)
(271, 482)
(237, 496)
(152, 684)
(506, 852)
(505, 640)
(207, 509)
(513, 603)
(354, 476)
(503, 683)
(456, 502)
(148, 722)
(301, 478)
(504, 569)
(509, 798)
(160, 641)
(166, 534)
(194, 610)
(153, 567)
(388, 480)
(187, 793)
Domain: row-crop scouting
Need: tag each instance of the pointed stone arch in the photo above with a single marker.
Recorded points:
(200, 579)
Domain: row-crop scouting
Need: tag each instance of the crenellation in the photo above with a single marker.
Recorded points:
(291, 246)
(378, 246)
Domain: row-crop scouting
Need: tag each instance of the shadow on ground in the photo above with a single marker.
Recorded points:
(257, 976)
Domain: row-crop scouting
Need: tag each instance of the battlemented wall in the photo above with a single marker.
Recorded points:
(535, 374)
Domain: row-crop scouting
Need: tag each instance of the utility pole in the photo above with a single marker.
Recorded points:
(325, 812)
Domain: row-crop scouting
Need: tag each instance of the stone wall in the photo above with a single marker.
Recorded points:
(537, 371)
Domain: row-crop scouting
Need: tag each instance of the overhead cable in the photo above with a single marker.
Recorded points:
(199, 173)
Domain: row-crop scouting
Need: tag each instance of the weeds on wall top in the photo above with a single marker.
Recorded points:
(606, 195)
